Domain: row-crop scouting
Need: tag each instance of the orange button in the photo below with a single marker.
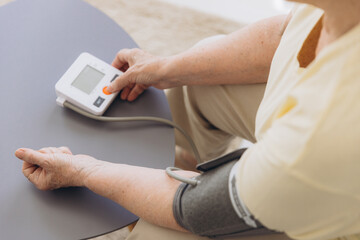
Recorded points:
(106, 92)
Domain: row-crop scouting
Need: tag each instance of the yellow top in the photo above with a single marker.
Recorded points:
(302, 177)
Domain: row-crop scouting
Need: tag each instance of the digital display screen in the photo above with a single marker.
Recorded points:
(88, 79)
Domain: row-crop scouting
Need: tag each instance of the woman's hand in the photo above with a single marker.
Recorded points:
(141, 70)
(52, 168)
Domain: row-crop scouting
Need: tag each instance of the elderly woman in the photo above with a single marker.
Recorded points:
(301, 176)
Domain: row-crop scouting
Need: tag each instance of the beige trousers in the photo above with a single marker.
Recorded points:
(147, 231)
(213, 116)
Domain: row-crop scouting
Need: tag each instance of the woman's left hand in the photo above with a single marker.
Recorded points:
(52, 168)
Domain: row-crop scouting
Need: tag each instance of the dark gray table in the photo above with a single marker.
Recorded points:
(39, 39)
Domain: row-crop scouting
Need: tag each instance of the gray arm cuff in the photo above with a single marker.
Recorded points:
(207, 209)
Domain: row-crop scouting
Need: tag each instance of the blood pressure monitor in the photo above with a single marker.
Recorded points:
(84, 84)
(83, 89)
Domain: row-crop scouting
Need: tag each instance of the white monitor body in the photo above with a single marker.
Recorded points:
(84, 84)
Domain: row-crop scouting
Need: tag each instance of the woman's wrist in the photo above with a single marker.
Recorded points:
(86, 169)
(172, 72)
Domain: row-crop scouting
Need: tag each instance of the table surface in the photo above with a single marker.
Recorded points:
(39, 41)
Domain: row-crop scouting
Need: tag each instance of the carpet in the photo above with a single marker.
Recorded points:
(161, 29)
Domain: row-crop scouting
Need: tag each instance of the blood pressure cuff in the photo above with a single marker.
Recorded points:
(212, 207)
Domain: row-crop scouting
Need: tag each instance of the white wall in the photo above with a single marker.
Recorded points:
(243, 11)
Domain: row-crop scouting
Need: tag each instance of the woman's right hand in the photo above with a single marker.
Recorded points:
(141, 70)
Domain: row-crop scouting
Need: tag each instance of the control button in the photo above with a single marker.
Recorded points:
(99, 101)
(106, 92)
(113, 79)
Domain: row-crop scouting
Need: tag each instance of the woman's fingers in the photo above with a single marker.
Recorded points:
(32, 170)
(122, 61)
(136, 91)
(56, 150)
(48, 150)
(124, 68)
(65, 150)
(31, 156)
(141, 70)
(122, 58)
(28, 169)
(137, 66)
(51, 168)
(120, 83)
(125, 93)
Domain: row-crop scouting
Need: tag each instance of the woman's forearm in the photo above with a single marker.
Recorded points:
(243, 57)
(146, 192)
